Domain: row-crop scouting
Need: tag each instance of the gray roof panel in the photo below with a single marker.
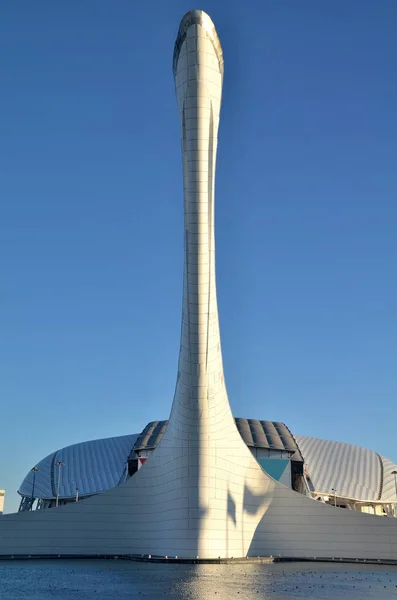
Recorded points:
(151, 435)
(256, 434)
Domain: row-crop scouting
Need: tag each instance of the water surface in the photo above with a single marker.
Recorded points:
(122, 580)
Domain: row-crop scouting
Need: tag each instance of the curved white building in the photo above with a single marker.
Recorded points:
(201, 492)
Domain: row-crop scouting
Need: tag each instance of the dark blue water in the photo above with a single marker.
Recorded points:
(119, 580)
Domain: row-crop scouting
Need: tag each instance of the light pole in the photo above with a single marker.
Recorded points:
(34, 471)
(59, 465)
(334, 490)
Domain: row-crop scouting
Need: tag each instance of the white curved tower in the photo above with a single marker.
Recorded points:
(224, 480)
(201, 493)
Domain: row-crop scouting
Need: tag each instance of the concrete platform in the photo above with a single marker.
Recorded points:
(142, 558)
(259, 560)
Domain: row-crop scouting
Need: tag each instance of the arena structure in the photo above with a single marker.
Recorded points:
(331, 472)
(210, 488)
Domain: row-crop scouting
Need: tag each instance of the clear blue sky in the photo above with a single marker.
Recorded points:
(91, 226)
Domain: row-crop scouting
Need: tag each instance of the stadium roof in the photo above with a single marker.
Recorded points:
(354, 472)
(91, 467)
(256, 434)
(99, 465)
